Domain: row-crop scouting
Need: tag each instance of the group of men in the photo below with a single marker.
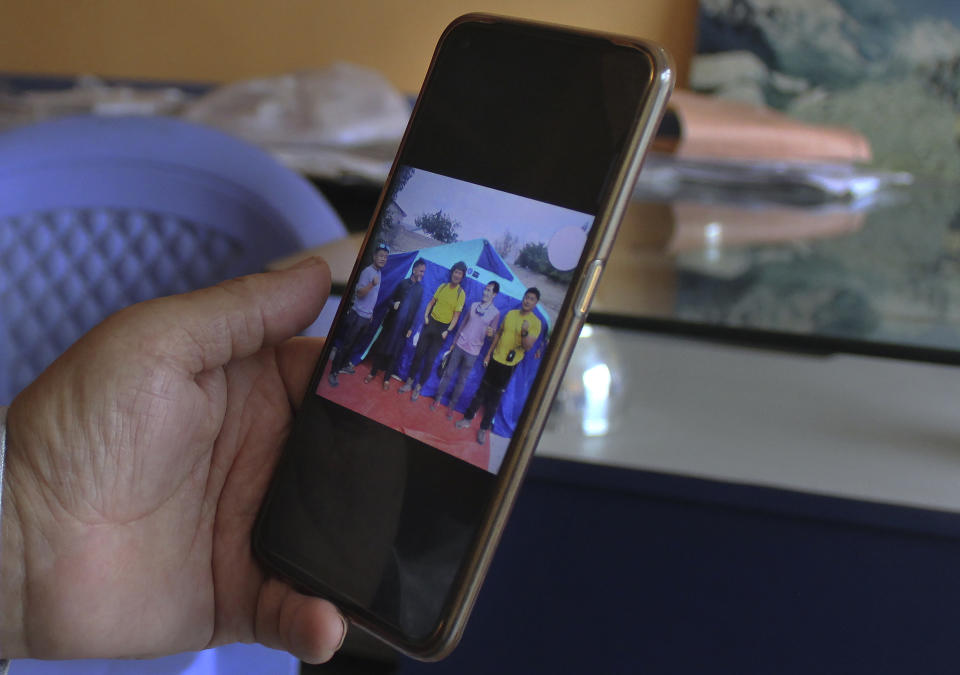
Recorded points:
(443, 315)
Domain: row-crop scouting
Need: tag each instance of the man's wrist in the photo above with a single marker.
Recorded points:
(4, 611)
(11, 551)
(3, 453)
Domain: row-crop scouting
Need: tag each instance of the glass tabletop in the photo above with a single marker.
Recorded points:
(882, 280)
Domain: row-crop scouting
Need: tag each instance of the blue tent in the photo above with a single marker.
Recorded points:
(484, 265)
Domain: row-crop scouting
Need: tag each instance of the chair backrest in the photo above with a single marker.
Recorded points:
(98, 213)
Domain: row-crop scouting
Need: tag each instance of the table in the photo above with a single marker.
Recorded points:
(772, 482)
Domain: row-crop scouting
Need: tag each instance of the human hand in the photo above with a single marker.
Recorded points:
(396, 305)
(489, 331)
(136, 465)
(375, 280)
(525, 326)
(409, 333)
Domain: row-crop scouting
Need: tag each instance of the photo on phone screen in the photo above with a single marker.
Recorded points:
(452, 312)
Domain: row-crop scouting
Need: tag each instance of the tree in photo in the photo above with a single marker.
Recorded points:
(404, 173)
(506, 245)
(534, 257)
(439, 225)
(393, 214)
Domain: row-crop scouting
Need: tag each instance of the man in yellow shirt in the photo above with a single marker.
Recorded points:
(439, 319)
(518, 334)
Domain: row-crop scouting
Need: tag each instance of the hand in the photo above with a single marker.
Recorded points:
(525, 326)
(409, 333)
(135, 467)
(426, 321)
(486, 360)
(445, 334)
(396, 305)
(375, 280)
(489, 331)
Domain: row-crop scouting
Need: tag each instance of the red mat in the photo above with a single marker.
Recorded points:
(413, 418)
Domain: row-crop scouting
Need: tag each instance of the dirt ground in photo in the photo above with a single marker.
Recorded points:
(413, 418)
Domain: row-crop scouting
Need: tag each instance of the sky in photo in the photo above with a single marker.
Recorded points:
(484, 212)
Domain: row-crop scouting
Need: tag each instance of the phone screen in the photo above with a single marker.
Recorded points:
(449, 321)
(479, 238)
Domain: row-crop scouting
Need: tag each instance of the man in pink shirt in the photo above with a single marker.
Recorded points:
(480, 323)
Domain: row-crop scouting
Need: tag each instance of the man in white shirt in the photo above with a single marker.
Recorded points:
(357, 320)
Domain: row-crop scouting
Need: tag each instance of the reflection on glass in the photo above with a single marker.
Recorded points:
(596, 385)
(713, 233)
(713, 239)
(591, 404)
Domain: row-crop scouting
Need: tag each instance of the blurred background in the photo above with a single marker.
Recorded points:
(221, 40)
(752, 465)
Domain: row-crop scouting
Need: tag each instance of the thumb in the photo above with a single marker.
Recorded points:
(208, 328)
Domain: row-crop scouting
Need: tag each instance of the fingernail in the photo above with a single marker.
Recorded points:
(343, 636)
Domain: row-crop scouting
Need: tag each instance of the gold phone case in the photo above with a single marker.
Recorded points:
(564, 335)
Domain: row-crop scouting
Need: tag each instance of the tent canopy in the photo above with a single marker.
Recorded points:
(484, 265)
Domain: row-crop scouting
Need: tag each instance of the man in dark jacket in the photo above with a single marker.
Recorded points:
(398, 323)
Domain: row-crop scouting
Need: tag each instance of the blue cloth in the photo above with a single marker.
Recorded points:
(490, 260)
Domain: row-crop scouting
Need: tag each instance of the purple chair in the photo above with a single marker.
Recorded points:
(97, 213)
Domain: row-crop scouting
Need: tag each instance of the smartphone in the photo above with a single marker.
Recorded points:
(458, 321)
